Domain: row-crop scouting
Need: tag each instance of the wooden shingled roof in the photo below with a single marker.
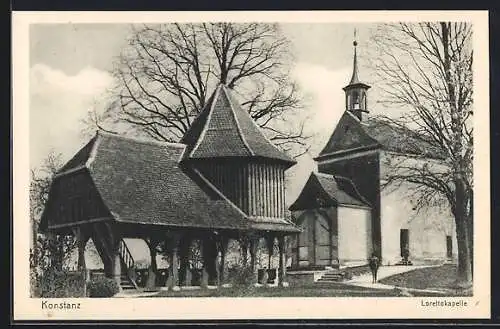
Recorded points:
(352, 134)
(142, 182)
(223, 129)
(323, 190)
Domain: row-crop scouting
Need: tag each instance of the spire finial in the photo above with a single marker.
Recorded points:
(354, 78)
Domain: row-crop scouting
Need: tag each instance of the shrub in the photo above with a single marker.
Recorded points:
(58, 284)
(102, 287)
(241, 276)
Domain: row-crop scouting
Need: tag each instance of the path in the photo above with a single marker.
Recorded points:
(365, 280)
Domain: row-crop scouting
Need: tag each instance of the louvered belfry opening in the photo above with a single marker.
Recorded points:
(256, 187)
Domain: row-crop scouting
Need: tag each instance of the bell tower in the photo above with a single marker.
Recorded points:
(355, 91)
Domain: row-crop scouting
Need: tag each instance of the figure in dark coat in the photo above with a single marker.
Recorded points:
(374, 264)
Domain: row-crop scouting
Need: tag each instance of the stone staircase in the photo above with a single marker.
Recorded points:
(331, 276)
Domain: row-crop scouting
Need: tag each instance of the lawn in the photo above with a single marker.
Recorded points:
(310, 290)
(439, 278)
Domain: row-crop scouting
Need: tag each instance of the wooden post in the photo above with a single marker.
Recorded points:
(116, 263)
(81, 239)
(222, 248)
(172, 243)
(244, 249)
(282, 262)
(153, 268)
(184, 275)
(270, 249)
(204, 255)
(254, 242)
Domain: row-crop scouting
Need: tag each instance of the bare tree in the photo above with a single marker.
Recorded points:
(167, 73)
(426, 68)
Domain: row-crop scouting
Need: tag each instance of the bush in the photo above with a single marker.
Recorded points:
(57, 284)
(241, 276)
(102, 287)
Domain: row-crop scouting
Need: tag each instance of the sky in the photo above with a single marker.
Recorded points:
(70, 68)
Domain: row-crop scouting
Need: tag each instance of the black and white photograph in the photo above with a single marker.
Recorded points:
(258, 161)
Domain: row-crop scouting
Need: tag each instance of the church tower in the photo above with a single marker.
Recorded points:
(355, 91)
(353, 152)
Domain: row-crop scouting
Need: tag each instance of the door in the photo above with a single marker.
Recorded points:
(449, 247)
(322, 241)
(404, 241)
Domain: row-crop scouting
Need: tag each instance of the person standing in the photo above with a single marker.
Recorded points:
(374, 265)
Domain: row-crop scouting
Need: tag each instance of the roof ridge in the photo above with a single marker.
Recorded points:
(141, 140)
(93, 151)
(207, 121)
(240, 133)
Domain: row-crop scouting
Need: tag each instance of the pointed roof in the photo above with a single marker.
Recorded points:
(223, 129)
(141, 181)
(349, 134)
(355, 82)
(323, 190)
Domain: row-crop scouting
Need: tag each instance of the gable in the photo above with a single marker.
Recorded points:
(349, 134)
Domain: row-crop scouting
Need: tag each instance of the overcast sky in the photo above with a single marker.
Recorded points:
(70, 64)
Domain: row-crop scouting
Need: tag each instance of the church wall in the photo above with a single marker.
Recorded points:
(354, 235)
(364, 172)
(427, 227)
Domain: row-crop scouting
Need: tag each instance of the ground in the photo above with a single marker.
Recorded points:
(437, 278)
(310, 290)
(393, 281)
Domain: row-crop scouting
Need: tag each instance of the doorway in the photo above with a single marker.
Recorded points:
(404, 242)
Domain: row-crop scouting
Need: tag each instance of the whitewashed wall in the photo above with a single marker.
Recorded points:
(427, 227)
(354, 235)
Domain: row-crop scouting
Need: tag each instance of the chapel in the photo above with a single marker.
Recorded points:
(347, 211)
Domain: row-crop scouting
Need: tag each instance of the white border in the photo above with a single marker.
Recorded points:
(248, 308)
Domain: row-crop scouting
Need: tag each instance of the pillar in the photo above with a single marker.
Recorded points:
(270, 249)
(223, 243)
(153, 267)
(116, 264)
(244, 249)
(204, 254)
(254, 242)
(81, 241)
(172, 243)
(282, 261)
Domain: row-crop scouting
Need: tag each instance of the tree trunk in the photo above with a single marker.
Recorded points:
(464, 271)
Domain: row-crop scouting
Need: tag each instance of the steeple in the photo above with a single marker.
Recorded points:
(355, 91)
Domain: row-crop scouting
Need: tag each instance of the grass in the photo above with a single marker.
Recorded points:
(309, 290)
(439, 278)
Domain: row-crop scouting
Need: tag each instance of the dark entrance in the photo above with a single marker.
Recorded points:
(404, 242)
(449, 247)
